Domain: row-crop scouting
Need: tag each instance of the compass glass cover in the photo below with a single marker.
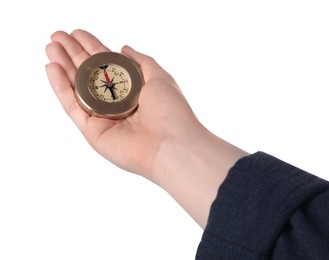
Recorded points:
(110, 83)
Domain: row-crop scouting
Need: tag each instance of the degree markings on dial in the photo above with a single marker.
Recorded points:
(104, 78)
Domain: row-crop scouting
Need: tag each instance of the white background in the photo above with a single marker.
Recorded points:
(263, 67)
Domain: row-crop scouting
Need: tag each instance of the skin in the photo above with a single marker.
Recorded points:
(162, 141)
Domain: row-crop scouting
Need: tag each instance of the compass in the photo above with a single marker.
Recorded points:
(108, 85)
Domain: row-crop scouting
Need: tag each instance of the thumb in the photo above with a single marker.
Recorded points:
(147, 64)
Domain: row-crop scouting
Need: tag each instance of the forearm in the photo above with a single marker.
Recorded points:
(191, 169)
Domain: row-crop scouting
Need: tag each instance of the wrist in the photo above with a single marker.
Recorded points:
(192, 167)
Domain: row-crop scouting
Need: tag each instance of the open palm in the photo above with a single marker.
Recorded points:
(134, 143)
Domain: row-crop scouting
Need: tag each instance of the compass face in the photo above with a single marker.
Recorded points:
(110, 83)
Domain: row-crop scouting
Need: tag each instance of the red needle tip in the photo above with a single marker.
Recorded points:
(107, 77)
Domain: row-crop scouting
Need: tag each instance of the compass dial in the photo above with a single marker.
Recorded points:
(110, 83)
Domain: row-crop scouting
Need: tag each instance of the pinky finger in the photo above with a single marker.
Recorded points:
(65, 93)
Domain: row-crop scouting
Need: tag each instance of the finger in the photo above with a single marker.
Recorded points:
(148, 65)
(89, 42)
(65, 93)
(57, 54)
(72, 47)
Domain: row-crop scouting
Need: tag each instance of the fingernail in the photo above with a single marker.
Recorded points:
(127, 46)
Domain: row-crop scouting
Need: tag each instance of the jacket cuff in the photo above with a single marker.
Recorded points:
(252, 206)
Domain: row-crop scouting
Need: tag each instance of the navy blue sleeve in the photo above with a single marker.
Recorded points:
(268, 209)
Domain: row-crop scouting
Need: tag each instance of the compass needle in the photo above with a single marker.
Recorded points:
(112, 93)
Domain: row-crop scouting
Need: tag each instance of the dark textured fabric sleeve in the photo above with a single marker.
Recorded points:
(268, 209)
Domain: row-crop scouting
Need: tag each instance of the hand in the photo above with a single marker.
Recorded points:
(133, 143)
(162, 141)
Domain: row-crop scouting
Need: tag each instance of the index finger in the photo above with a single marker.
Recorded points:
(89, 42)
(79, 45)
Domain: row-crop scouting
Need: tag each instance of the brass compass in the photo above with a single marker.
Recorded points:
(108, 85)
